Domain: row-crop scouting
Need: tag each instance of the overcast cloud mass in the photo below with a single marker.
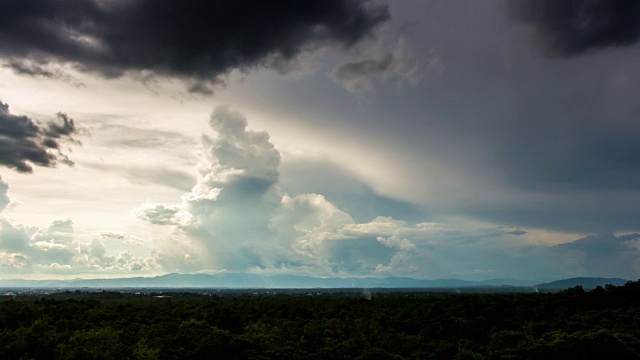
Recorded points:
(573, 27)
(438, 139)
(200, 40)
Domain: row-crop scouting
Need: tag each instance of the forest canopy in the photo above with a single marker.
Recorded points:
(576, 324)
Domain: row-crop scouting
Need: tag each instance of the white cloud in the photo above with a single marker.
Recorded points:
(239, 219)
(158, 214)
(309, 216)
(381, 225)
(59, 266)
(55, 249)
(48, 246)
(397, 242)
(13, 260)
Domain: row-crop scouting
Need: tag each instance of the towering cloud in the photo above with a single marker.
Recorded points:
(571, 27)
(24, 142)
(228, 210)
(240, 219)
(192, 39)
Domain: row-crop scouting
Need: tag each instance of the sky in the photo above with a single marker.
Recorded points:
(338, 138)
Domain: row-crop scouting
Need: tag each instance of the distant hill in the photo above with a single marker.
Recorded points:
(245, 281)
(586, 282)
(255, 281)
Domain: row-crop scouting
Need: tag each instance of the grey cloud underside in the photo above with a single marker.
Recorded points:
(192, 39)
(342, 188)
(354, 75)
(24, 142)
(569, 28)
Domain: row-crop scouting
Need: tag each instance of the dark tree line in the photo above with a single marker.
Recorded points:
(572, 324)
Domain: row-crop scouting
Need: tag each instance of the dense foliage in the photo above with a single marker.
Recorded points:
(573, 324)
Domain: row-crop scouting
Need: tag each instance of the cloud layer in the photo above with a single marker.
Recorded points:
(237, 218)
(57, 250)
(501, 136)
(196, 40)
(241, 220)
(569, 28)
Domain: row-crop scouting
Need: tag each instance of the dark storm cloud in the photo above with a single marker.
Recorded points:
(193, 39)
(574, 26)
(24, 142)
(603, 254)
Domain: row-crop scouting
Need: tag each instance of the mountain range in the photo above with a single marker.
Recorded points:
(247, 281)
(585, 282)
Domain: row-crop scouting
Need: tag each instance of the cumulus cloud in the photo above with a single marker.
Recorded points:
(396, 242)
(38, 247)
(55, 249)
(236, 193)
(201, 40)
(237, 218)
(304, 224)
(25, 142)
(403, 258)
(158, 214)
(570, 28)
(240, 219)
(94, 256)
(13, 260)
